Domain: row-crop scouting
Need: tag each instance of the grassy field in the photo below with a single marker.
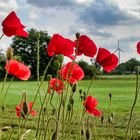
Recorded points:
(122, 89)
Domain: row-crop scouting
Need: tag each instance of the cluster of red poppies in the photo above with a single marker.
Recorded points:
(71, 72)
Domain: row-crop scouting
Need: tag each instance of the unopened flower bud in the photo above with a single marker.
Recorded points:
(3, 107)
(69, 107)
(9, 53)
(84, 95)
(87, 134)
(23, 115)
(110, 95)
(82, 132)
(60, 58)
(44, 109)
(25, 107)
(71, 100)
(112, 114)
(110, 120)
(63, 103)
(77, 35)
(56, 64)
(74, 87)
(102, 119)
(49, 77)
(80, 91)
(54, 136)
(53, 111)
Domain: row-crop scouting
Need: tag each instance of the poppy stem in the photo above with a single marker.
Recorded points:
(1, 36)
(134, 103)
(35, 97)
(7, 91)
(90, 83)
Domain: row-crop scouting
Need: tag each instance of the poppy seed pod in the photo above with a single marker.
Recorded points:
(74, 87)
(87, 134)
(49, 77)
(9, 53)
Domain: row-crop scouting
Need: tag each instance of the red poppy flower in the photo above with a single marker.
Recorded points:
(86, 46)
(90, 103)
(19, 109)
(107, 60)
(72, 72)
(18, 69)
(138, 47)
(60, 45)
(56, 85)
(12, 26)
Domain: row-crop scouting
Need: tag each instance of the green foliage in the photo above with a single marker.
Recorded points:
(88, 69)
(26, 51)
(2, 64)
(128, 67)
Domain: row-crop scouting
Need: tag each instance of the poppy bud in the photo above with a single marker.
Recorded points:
(112, 114)
(87, 134)
(74, 87)
(9, 53)
(56, 64)
(49, 77)
(6, 128)
(110, 120)
(82, 132)
(63, 102)
(3, 107)
(44, 109)
(71, 100)
(80, 91)
(25, 107)
(84, 95)
(23, 115)
(60, 58)
(69, 107)
(53, 111)
(110, 95)
(54, 136)
(77, 35)
(102, 119)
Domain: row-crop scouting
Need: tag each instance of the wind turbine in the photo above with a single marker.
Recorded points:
(119, 51)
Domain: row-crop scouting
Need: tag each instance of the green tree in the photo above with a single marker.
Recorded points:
(2, 64)
(88, 69)
(26, 50)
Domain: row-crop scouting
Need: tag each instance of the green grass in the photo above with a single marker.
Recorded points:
(122, 90)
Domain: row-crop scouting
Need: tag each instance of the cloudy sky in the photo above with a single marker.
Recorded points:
(104, 21)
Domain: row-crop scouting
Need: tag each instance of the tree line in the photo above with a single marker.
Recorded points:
(25, 50)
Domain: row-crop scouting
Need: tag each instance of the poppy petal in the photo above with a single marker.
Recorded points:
(24, 72)
(138, 47)
(33, 113)
(22, 33)
(60, 45)
(86, 46)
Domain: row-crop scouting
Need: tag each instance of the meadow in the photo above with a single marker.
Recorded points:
(116, 114)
